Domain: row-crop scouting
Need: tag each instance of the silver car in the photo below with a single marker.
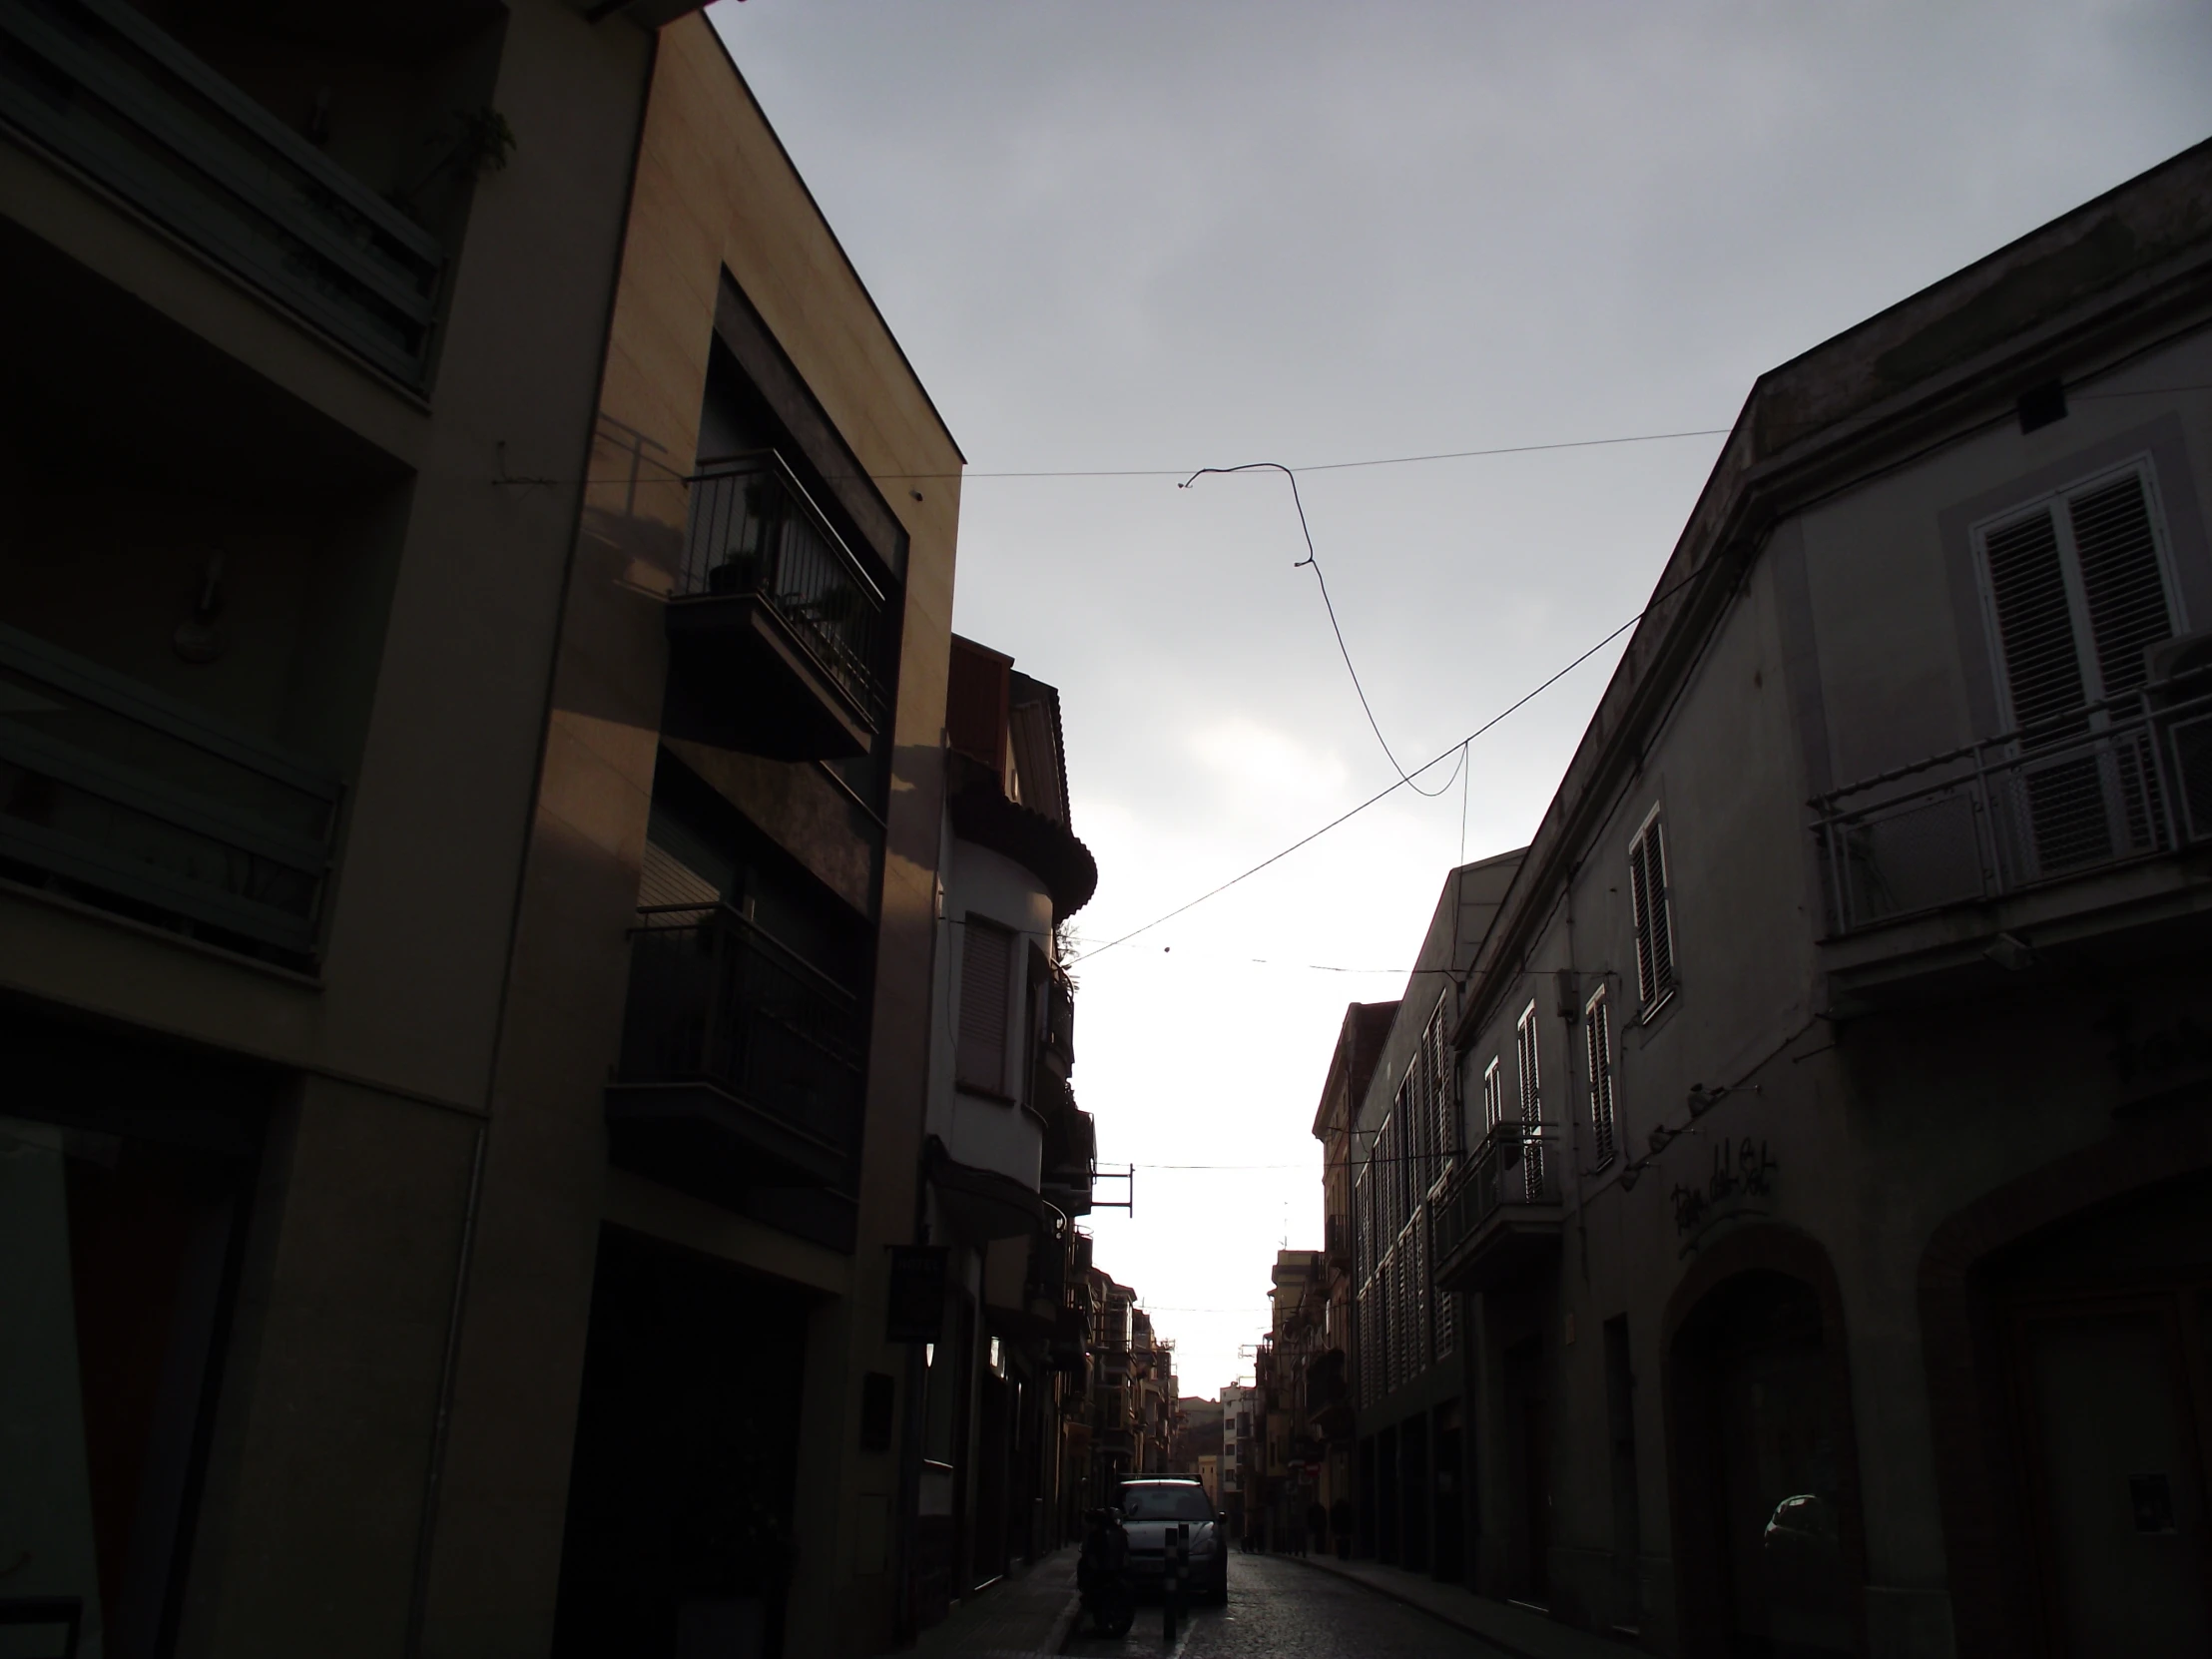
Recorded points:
(1150, 1506)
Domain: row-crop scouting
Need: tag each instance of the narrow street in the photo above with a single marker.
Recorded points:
(1278, 1609)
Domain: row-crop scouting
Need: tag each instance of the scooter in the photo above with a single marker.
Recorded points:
(1102, 1575)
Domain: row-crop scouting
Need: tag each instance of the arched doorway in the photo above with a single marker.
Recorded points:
(1763, 1472)
(2107, 1325)
(2067, 1323)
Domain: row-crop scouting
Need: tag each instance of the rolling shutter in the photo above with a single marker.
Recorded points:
(986, 978)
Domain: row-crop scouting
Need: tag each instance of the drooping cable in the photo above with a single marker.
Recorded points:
(1312, 561)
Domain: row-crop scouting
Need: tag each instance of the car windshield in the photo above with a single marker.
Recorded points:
(1165, 1503)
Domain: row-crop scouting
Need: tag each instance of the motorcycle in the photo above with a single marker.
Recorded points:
(1102, 1575)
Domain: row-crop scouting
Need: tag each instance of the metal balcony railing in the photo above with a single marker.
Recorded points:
(117, 794)
(714, 999)
(98, 85)
(2109, 784)
(1515, 1165)
(754, 531)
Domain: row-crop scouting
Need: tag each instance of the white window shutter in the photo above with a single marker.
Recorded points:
(2035, 623)
(2120, 580)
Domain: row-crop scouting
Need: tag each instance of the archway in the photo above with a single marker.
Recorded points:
(1769, 1556)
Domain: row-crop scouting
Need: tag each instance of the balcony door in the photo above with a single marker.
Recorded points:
(2076, 587)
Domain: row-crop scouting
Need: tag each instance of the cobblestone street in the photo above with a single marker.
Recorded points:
(1278, 1609)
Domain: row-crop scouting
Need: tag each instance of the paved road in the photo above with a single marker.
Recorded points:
(1278, 1609)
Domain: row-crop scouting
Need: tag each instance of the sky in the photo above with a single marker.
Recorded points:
(1148, 237)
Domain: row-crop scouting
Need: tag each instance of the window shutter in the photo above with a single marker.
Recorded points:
(986, 976)
(1647, 886)
(1531, 1094)
(1493, 1097)
(1597, 1028)
(2027, 589)
(2121, 579)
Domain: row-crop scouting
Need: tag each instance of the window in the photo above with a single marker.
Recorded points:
(1493, 1097)
(1531, 1089)
(1597, 1032)
(2077, 589)
(1651, 903)
(986, 981)
(1444, 1067)
(1531, 1107)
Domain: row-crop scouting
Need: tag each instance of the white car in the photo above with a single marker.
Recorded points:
(1151, 1505)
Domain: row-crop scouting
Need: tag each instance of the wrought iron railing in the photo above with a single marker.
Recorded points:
(1515, 1164)
(754, 531)
(112, 793)
(2108, 784)
(97, 84)
(714, 999)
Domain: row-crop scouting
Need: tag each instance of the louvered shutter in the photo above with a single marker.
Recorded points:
(986, 977)
(1493, 1097)
(2035, 625)
(2120, 580)
(1647, 886)
(1531, 1094)
(2073, 636)
(1597, 1028)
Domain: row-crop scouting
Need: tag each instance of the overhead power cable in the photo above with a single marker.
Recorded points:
(1312, 561)
(1389, 789)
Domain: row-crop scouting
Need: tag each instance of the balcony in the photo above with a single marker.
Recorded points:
(742, 1065)
(94, 84)
(1498, 1217)
(2113, 785)
(778, 634)
(122, 798)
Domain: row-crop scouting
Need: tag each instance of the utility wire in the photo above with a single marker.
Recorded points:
(1393, 789)
(1313, 560)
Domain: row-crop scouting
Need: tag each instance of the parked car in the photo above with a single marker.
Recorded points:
(1148, 1508)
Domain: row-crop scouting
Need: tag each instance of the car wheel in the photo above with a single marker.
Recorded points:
(1218, 1594)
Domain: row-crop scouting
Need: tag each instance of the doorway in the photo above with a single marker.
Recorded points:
(2116, 1477)
(1763, 1460)
(678, 1538)
(1528, 1473)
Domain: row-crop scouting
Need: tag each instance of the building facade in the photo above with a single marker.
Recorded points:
(1833, 1231)
(1009, 1159)
(1408, 1371)
(470, 836)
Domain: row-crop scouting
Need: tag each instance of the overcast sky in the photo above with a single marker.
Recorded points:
(1173, 236)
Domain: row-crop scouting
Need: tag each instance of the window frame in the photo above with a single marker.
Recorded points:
(1597, 1032)
(1529, 1063)
(974, 927)
(2057, 503)
(1653, 991)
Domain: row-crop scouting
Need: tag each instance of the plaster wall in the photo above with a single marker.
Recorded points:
(1842, 653)
(986, 1133)
(713, 194)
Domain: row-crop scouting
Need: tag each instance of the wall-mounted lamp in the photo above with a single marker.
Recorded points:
(1660, 1138)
